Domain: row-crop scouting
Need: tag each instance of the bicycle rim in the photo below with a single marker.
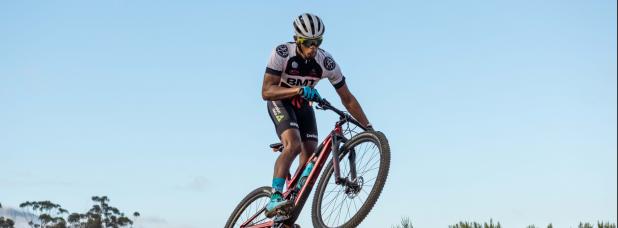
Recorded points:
(343, 206)
(252, 205)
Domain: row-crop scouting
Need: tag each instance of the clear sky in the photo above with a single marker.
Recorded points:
(494, 109)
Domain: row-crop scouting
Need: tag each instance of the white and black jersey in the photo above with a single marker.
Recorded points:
(296, 71)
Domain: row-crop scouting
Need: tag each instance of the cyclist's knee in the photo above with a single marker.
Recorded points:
(309, 146)
(291, 142)
(292, 147)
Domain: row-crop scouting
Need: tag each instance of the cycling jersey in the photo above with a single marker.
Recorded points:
(296, 71)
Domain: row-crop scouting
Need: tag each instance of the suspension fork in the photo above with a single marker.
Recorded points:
(337, 140)
(352, 159)
(335, 151)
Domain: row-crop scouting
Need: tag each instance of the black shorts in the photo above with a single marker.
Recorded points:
(285, 116)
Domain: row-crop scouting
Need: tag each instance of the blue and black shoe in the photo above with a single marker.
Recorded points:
(277, 205)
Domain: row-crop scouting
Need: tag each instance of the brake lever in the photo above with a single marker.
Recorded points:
(321, 104)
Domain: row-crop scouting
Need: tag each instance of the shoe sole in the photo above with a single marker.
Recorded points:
(281, 209)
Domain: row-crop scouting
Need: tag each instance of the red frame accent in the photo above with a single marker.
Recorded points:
(263, 225)
(317, 168)
(315, 172)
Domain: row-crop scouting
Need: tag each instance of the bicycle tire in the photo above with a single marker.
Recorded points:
(384, 164)
(246, 202)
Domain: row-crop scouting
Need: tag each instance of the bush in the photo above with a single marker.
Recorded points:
(405, 223)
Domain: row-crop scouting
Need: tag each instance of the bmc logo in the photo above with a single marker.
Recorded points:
(300, 82)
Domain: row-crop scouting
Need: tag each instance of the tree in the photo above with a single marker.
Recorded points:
(585, 225)
(5, 222)
(101, 215)
(605, 225)
(49, 214)
(476, 225)
(46, 214)
(405, 223)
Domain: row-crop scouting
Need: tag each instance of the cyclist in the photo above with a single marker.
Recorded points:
(292, 72)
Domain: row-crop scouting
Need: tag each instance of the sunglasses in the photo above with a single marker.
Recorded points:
(310, 42)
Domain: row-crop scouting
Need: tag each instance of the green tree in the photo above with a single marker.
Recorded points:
(46, 214)
(466, 224)
(584, 225)
(74, 219)
(550, 226)
(5, 222)
(101, 215)
(405, 223)
(605, 225)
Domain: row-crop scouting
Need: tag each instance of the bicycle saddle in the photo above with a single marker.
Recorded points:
(276, 147)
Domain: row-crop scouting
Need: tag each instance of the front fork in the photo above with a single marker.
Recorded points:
(337, 139)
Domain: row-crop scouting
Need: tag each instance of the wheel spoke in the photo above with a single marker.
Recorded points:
(251, 210)
(372, 156)
(347, 216)
(331, 201)
(331, 213)
(366, 171)
(337, 196)
(340, 207)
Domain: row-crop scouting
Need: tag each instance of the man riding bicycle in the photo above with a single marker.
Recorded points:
(292, 72)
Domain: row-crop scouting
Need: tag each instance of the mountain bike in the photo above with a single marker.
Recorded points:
(348, 188)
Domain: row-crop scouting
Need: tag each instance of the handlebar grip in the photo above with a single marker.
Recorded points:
(323, 101)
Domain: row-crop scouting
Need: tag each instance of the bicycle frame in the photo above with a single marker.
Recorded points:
(329, 145)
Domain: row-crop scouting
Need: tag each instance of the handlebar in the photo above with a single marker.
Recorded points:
(343, 116)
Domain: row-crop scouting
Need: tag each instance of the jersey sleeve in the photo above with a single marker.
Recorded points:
(332, 71)
(277, 60)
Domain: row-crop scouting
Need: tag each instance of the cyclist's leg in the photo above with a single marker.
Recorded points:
(291, 147)
(308, 131)
(307, 149)
(309, 135)
(285, 120)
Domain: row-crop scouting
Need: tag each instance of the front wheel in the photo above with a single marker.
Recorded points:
(250, 210)
(346, 205)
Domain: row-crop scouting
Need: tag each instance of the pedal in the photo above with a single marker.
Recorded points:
(280, 218)
(285, 210)
(278, 221)
(281, 225)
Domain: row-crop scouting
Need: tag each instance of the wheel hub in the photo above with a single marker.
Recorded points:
(354, 187)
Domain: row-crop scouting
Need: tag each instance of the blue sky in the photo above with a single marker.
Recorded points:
(493, 109)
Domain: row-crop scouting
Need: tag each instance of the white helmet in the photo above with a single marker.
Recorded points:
(308, 26)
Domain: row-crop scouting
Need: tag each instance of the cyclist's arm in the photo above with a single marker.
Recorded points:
(352, 105)
(271, 90)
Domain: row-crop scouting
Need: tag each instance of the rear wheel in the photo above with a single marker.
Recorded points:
(346, 205)
(254, 203)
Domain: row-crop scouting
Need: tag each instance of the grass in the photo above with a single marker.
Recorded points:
(406, 222)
